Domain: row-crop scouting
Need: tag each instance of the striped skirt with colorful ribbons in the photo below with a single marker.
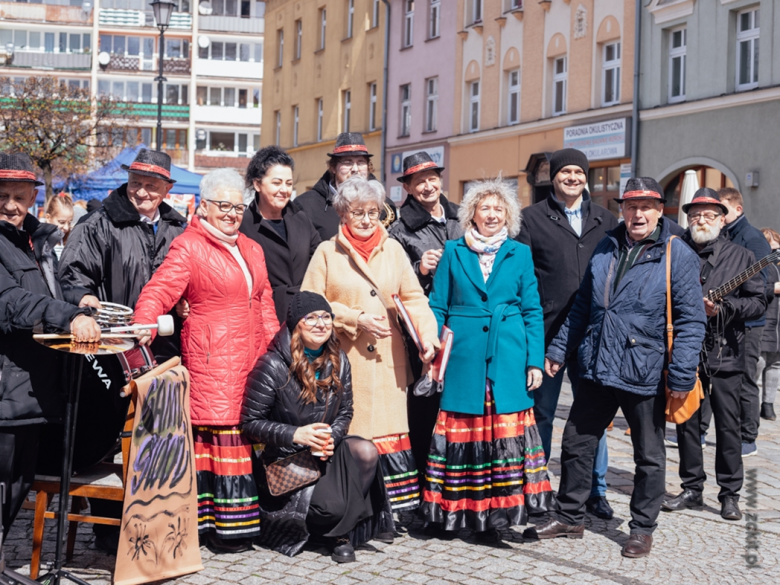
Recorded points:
(485, 471)
(227, 494)
(399, 471)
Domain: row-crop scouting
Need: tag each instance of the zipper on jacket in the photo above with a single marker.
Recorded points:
(208, 349)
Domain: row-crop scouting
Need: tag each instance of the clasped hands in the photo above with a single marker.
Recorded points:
(313, 436)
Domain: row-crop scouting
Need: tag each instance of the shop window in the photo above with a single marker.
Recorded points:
(604, 185)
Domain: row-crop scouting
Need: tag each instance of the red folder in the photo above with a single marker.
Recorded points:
(407, 321)
(439, 366)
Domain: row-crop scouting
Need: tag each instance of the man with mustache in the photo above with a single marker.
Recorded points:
(722, 359)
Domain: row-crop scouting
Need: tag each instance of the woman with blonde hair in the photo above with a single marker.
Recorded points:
(59, 211)
(486, 466)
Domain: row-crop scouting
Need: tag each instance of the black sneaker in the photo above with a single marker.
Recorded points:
(342, 551)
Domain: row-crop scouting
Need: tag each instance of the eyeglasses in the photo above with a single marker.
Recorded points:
(709, 216)
(348, 164)
(227, 206)
(359, 214)
(311, 320)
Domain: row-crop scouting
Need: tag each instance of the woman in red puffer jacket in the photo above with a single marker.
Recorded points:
(222, 275)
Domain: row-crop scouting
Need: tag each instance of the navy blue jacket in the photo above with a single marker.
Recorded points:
(744, 234)
(620, 335)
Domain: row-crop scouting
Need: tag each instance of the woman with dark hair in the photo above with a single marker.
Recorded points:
(285, 233)
(299, 397)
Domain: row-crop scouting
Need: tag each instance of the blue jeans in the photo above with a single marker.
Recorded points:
(545, 403)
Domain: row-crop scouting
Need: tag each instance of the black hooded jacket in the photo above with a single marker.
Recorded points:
(30, 375)
(744, 234)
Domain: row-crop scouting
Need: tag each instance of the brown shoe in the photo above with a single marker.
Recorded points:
(554, 529)
(637, 546)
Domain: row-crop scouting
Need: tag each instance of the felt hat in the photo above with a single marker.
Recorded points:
(17, 167)
(151, 163)
(642, 188)
(350, 144)
(419, 161)
(705, 196)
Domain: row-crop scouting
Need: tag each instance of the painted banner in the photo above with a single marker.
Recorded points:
(599, 141)
(159, 532)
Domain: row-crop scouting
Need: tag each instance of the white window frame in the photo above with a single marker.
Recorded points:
(749, 37)
(320, 115)
(375, 13)
(473, 111)
(513, 96)
(560, 81)
(476, 12)
(680, 53)
(323, 27)
(434, 19)
(408, 28)
(372, 101)
(347, 109)
(610, 69)
(350, 18)
(280, 47)
(278, 127)
(298, 38)
(296, 119)
(431, 104)
(406, 109)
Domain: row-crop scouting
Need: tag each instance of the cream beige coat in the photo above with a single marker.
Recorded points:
(380, 369)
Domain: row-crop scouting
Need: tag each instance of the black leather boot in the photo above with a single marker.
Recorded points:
(768, 411)
(686, 499)
(342, 550)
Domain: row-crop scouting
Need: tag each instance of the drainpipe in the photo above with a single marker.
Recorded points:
(635, 109)
(384, 91)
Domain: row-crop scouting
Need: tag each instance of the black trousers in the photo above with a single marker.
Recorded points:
(724, 397)
(593, 408)
(422, 412)
(750, 398)
(18, 453)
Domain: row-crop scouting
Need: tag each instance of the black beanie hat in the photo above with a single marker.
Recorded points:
(303, 303)
(565, 157)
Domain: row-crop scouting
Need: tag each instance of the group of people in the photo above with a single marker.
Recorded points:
(287, 322)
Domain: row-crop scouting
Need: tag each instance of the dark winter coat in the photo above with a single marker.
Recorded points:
(418, 232)
(561, 256)
(620, 334)
(112, 254)
(286, 260)
(31, 381)
(744, 234)
(317, 204)
(724, 344)
(770, 339)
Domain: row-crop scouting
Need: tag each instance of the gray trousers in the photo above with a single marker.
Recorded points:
(769, 370)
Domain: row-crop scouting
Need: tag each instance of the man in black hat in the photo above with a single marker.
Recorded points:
(428, 220)
(562, 232)
(723, 356)
(617, 328)
(30, 296)
(350, 157)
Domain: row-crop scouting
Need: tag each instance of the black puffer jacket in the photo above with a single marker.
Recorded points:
(273, 410)
(112, 254)
(317, 203)
(418, 232)
(30, 374)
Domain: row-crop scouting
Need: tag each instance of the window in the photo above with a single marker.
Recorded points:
(31, 41)
(228, 97)
(279, 48)
(603, 185)
(173, 48)
(372, 106)
(298, 38)
(610, 93)
(295, 125)
(323, 27)
(224, 51)
(431, 103)
(374, 13)
(319, 119)
(222, 141)
(510, 5)
(408, 23)
(138, 92)
(474, 106)
(347, 109)
(559, 86)
(434, 19)
(406, 109)
(350, 17)
(513, 98)
(278, 127)
(677, 56)
(474, 12)
(747, 49)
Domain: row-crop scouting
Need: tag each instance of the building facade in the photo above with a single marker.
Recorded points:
(709, 98)
(532, 77)
(323, 76)
(213, 63)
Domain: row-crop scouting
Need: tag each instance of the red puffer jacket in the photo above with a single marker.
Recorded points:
(226, 331)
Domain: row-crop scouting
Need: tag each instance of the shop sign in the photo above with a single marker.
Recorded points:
(599, 141)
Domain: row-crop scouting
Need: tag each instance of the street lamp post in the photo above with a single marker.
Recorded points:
(162, 15)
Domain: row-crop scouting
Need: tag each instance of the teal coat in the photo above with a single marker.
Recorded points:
(497, 327)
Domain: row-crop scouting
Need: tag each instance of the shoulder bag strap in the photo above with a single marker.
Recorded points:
(669, 325)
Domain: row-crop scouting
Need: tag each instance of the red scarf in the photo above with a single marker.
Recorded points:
(362, 246)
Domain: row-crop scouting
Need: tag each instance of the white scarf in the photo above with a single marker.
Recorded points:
(486, 248)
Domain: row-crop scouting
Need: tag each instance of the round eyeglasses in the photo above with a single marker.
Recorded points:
(311, 320)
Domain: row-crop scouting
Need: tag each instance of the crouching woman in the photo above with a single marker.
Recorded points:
(299, 398)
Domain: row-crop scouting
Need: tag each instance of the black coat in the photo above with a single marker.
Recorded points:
(317, 204)
(770, 339)
(30, 375)
(418, 232)
(724, 342)
(286, 260)
(744, 234)
(112, 254)
(561, 256)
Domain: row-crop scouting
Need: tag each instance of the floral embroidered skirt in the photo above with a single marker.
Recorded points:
(399, 471)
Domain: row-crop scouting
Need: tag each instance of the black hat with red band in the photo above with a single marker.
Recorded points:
(350, 144)
(642, 188)
(17, 167)
(151, 163)
(706, 196)
(417, 162)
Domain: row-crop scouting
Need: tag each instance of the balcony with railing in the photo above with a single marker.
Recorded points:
(117, 17)
(227, 115)
(171, 113)
(45, 13)
(173, 65)
(42, 60)
(236, 24)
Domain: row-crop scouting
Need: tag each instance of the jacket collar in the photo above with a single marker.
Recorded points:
(711, 251)
(738, 225)
(254, 220)
(470, 262)
(31, 228)
(119, 209)
(618, 235)
(556, 211)
(556, 205)
(415, 216)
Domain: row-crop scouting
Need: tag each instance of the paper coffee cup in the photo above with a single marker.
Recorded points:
(320, 453)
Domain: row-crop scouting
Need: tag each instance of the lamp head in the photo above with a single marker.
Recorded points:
(162, 12)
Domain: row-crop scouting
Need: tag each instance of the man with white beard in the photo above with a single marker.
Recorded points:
(722, 358)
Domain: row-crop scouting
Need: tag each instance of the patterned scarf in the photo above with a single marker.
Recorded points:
(486, 248)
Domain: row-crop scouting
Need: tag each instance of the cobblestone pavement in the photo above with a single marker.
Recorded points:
(690, 547)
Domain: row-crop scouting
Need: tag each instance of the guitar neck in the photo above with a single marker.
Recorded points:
(720, 292)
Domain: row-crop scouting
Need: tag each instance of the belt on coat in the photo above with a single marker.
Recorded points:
(496, 317)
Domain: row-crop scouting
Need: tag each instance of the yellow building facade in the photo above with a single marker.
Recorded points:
(323, 75)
